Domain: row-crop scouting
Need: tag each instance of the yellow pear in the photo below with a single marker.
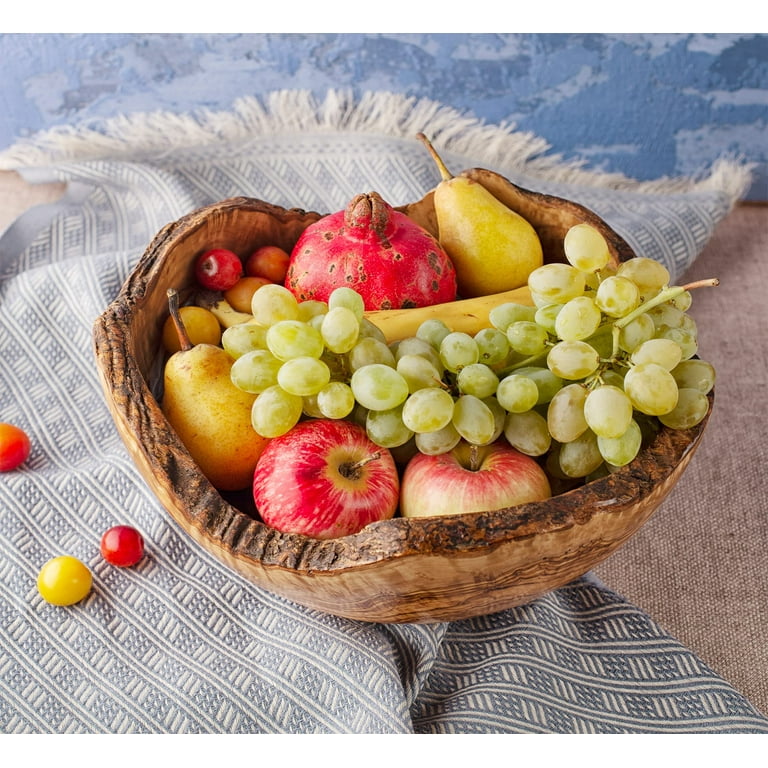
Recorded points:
(493, 248)
(211, 416)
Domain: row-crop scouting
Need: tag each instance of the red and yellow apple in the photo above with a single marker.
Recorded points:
(325, 478)
(471, 479)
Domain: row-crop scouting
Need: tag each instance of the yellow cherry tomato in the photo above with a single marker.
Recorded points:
(64, 581)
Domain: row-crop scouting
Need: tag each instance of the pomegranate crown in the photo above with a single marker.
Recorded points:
(366, 212)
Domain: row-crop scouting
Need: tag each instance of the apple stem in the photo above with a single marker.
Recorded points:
(444, 172)
(173, 307)
(474, 458)
(351, 469)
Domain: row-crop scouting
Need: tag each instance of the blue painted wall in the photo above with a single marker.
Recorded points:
(646, 105)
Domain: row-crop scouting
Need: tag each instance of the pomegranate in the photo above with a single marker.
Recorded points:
(390, 260)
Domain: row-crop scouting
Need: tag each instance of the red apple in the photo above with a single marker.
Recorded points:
(471, 479)
(325, 478)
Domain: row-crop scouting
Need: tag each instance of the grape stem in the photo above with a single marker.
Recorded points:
(663, 296)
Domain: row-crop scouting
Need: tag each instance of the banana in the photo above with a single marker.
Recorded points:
(466, 315)
(225, 313)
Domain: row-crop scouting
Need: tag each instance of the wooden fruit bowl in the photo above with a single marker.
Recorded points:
(398, 570)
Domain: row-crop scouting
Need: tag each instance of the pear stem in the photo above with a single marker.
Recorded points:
(444, 172)
(173, 308)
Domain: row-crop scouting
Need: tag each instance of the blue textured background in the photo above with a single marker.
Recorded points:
(646, 105)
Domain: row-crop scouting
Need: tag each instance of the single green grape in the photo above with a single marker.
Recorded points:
(438, 442)
(458, 349)
(545, 316)
(578, 319)
(473, 420)
(581, 456)
(433, 331)
(413, 345)
(686, 340)
(503, 315)
(287, 339)
(271, 303)
(608, 411)
(344, 296)
(335, 400)
(311, 408)
(255, 371)
(340, 329)
(651, 388)
(666, 314)
(243, 337)
(527, 337)
(386, 428)
(634, 333)
(428, 410)
(565, 413)
(303, 376)
(649, 275)
(694, 374)
(369, 329)
(492, 345)
(620, 451)
(664, 352)
(369, 350)
(692, 406)
(275, 412)
(586, 248)
(517, 393)
(419, 372)
(617, 296)
(528, 433)
(556, 283)
(477, 379)
(573, 360)
(499, 416)
(378, 387)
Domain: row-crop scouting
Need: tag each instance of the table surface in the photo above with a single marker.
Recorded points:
(698, 567)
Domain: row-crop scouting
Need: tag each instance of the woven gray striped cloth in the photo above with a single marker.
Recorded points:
(181, 644)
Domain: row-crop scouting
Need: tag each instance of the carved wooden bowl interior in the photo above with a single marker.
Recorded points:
(398, 570)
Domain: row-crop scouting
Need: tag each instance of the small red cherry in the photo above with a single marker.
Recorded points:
(122, 545)
(218, 269)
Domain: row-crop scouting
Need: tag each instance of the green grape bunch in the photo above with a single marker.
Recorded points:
(603, 356)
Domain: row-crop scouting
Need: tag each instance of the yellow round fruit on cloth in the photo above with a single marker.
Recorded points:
(64, 580)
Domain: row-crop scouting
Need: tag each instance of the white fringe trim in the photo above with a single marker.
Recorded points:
(148, 134)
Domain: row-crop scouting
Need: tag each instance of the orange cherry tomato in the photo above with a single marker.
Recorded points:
(241, 293)
(268, 261)
(14, 447)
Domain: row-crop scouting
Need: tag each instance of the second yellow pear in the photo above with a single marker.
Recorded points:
(493, 248)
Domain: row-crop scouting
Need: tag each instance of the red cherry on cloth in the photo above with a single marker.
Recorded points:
(122, 545)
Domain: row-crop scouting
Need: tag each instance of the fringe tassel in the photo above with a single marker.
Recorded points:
(155, 134)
